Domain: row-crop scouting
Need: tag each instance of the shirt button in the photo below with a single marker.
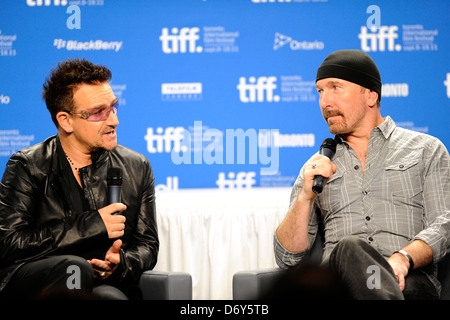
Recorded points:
(356, 167)
(368, 218)
(370, 239)
(365, 192)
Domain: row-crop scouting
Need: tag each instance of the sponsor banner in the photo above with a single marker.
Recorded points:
(96, 45)
(181, 91)
(221, 94)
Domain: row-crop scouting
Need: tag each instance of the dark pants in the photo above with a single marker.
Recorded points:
(367, 274)
(59, 277)
(355, 270)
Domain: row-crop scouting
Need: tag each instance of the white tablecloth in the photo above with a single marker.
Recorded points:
(214, 233)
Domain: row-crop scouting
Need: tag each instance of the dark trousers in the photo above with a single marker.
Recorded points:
(355, 270)
(59, 277)
(367, 275)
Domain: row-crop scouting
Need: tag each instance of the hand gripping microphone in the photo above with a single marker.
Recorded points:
(114, 181)
(328, 148)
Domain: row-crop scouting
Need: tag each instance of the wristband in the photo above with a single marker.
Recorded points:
(411, 262)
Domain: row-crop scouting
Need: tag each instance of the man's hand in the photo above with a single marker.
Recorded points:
(319, 165)
(104, 268)
(400, 265)
(421, 255)
(115, 224)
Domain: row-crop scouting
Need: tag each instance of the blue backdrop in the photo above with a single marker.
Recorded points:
(220, 93)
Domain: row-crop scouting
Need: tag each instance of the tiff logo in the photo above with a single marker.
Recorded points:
(236, 181)
(257, 89)
(378, 37)
(180, 41)
(164, 140)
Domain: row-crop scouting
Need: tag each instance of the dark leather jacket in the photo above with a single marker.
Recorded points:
(38, 216)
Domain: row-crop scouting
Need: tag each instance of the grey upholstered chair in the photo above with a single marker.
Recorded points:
(166, 285)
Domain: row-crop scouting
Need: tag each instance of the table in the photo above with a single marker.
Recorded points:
(213, 233)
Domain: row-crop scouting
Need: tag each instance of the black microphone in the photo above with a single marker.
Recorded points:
(328, 149)
(114, 181)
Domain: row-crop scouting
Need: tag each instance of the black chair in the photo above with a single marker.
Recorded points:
(253, 284)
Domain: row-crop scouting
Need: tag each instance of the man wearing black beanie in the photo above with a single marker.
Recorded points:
(384, 213)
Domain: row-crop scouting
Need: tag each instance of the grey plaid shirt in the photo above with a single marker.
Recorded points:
(403, 195)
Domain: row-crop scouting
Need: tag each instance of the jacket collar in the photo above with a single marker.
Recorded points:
(59, 161)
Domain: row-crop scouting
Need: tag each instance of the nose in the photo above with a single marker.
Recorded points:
(324, 99)
(113, 119)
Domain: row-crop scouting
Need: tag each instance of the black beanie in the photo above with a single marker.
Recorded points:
(352, 65)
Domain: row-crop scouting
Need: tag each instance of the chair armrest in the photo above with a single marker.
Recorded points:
(251, 284)
(166, 285)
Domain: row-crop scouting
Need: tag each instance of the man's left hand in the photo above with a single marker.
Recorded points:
(400, 266)
(104, 268)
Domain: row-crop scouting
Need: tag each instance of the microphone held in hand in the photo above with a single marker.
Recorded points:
(114, 181)
(328, 149)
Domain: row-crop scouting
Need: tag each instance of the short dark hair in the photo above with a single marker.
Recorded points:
(59, 86)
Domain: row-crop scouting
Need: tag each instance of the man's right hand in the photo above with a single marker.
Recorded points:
(319, 165)
(115, 224)
(293, 230)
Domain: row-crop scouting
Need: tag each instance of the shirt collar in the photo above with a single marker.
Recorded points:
(386, 128)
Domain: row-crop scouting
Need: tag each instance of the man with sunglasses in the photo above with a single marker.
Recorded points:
(59, 237)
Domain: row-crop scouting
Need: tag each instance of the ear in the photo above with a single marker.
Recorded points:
(65, 121)
(372, 98)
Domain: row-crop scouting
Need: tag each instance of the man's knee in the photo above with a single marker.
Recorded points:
(74, 264)
(352, 251)
(52, 277)
(73, 277)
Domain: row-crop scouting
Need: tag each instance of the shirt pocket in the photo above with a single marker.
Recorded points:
(405, 190)
(330, 200)
(404, 179)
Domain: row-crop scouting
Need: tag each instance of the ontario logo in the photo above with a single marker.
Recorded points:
(282, 40)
